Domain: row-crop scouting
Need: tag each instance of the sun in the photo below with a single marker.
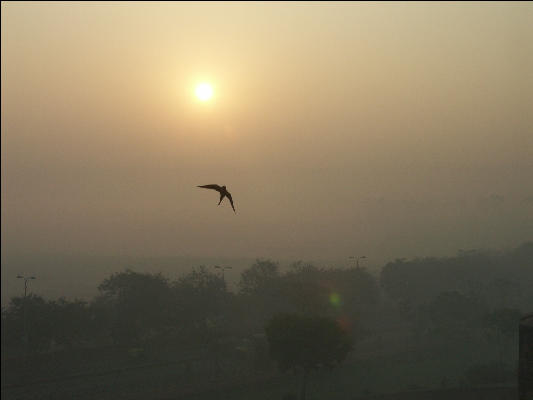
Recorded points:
(204, 91)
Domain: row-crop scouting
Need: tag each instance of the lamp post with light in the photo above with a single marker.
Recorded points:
(26, 279)
(356, 260)
(223, 269)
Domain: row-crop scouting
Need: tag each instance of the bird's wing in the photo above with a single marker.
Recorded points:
(230, 200)
(213, 186)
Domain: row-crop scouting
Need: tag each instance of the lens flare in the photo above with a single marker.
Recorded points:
(335, 299)
(345, 323)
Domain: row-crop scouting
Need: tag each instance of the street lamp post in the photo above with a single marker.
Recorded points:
(26, 279)
(356, 260)
(223, 269)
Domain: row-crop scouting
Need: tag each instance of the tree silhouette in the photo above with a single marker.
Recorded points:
(305, 343)
(259, 276)
(139, 304)
(40, 326)
(502, 325)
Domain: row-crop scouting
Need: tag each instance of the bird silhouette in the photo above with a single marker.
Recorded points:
(223, 193)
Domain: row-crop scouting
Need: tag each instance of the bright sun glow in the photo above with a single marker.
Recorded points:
(204, 91)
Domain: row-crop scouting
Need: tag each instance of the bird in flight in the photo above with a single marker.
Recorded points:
(223, 193)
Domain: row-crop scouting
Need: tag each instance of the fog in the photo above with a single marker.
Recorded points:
(394, 131)
(382, 129)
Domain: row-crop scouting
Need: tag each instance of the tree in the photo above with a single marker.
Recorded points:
(72, 323)
(258, 276)
(305, 343)
(500, 279)
(139, 304)
(505, 321)
(453, 318)
(201, 304)
(503, 329)
(319, 291)
(306, 289)
(200, 295)
(358, 289)
(260, 294)
(39, 323)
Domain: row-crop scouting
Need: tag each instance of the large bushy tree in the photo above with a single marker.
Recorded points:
(139, 302)
(306, 343)
(259, 276)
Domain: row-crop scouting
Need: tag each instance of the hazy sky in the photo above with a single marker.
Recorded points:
(384, 129)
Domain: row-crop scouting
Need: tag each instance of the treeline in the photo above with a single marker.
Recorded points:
(134, 308)
(442, 300)
(495, 278)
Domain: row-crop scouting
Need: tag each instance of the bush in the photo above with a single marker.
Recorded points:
(483, 374)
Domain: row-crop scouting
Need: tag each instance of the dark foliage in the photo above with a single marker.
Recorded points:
(297, 341)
